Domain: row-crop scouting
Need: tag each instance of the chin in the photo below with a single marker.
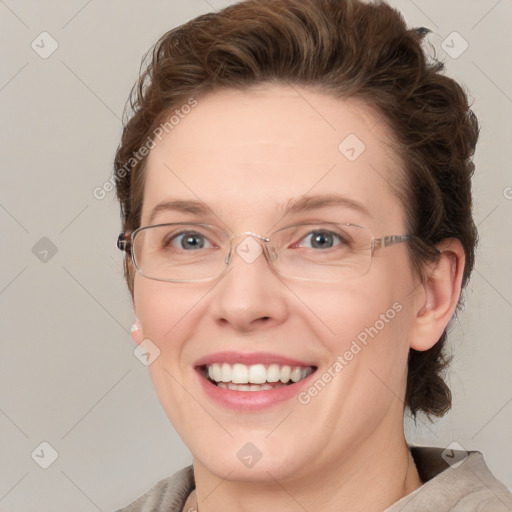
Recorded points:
(256, 461)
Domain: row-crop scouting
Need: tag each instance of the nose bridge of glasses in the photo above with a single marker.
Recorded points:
(249, 248)
(249, 233)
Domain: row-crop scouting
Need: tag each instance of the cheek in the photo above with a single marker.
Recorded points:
(168, 313)
(364, 336)
(353, 310)
(171, 316)
(161, 307)
(363, 331)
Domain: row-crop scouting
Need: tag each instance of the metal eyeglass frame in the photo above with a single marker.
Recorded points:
(125, 242)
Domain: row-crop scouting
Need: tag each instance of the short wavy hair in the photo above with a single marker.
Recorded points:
(345, 48)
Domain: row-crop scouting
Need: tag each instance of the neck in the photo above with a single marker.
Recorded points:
(370, 479)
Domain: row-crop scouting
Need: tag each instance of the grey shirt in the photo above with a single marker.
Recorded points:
(466, 485)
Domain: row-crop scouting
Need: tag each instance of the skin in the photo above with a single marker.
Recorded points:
(246, 155)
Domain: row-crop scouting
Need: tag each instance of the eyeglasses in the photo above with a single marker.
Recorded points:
(188, 252)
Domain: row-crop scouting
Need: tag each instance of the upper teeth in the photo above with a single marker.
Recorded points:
(256, 373)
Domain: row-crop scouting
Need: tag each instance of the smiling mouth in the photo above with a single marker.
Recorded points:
(256, 377)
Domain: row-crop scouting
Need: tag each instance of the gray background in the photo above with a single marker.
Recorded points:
(68, 373)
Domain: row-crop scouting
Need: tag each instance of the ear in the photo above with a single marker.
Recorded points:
(438, 295)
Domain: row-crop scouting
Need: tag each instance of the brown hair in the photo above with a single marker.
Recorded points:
(346, 48)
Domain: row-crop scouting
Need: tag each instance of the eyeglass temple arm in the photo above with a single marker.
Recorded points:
(124, 242)
(386, 241)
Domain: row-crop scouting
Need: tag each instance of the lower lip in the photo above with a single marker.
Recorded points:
(252, 400)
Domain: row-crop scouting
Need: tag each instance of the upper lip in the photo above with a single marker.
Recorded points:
(249, 358)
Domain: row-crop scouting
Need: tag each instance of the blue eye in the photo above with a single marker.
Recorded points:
(187, 240)
(322, 240)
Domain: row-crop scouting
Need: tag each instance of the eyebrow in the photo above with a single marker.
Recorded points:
(301, 205)
(309, 203)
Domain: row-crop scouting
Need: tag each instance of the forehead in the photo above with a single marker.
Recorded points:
(248, 154)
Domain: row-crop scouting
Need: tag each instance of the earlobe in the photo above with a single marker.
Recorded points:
(440, 293)
(136, 328)
(136, 332)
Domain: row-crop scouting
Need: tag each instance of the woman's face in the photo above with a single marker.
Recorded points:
(248, 157)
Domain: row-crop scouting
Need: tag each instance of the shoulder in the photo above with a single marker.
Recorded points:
(455, 481)
(167, 495)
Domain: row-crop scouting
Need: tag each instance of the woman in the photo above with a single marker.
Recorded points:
(296, 202)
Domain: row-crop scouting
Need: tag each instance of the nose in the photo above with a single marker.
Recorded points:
(250, 295)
